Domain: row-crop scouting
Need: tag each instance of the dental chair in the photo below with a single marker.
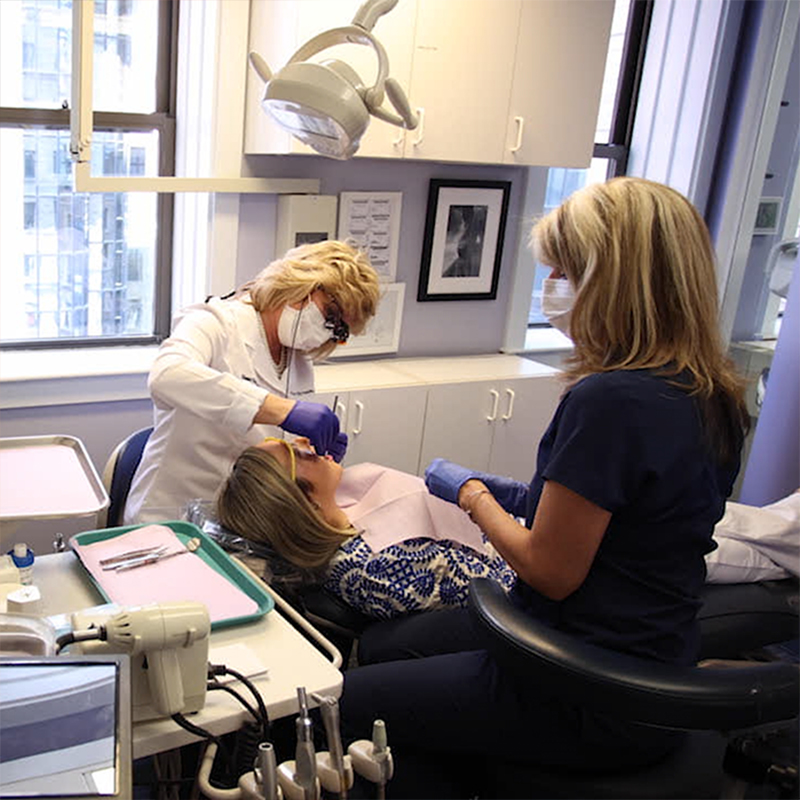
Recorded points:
(336, 620)
(732, 715)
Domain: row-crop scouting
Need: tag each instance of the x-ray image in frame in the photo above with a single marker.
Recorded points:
(463, 243)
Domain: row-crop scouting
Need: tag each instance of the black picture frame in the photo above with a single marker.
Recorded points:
(463, 245)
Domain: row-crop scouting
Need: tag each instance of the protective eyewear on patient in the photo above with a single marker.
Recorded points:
(296, 451)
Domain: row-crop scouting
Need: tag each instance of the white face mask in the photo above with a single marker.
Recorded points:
(303, 328)
(558, 297)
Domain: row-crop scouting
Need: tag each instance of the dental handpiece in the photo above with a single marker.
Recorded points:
(267, 767)
(305, 757)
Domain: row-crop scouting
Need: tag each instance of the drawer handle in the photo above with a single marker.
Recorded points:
(520, 121)
(357, 428)
(420, 127)
(495, 401)
(510, 408)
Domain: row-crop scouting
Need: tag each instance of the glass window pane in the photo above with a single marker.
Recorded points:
(35, 54)
(84, 264)
(561, 183)
(608, 95)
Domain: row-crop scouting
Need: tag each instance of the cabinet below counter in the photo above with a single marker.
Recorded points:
(485, 412)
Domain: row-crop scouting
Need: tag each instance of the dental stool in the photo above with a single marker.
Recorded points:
(729, 713)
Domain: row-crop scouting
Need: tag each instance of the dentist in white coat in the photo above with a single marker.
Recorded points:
(235, 369)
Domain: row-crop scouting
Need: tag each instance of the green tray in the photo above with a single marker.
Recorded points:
(209, 551)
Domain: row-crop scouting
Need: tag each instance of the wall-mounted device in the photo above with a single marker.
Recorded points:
(326, 105)
(304, 219)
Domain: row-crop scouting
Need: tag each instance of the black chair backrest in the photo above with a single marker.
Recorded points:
(738, 618)
(687, 698)
(128, 458)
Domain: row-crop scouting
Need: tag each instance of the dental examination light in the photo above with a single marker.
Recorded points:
(326, 105)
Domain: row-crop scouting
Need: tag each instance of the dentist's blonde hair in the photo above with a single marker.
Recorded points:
(336, 267)
(259, 501)
(641, 260)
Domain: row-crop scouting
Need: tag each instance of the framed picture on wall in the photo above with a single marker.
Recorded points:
(463, 244)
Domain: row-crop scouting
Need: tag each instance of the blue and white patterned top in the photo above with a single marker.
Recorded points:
(414, 575)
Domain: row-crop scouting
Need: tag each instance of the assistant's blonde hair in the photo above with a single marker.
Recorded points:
(259, 501)
(640, 258)
(336, 267)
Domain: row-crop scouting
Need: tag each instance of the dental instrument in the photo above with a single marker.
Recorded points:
(191, 546)
(334, 769)
(373, 760)
(298, 779)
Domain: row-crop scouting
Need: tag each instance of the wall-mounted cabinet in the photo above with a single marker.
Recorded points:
(516, 81)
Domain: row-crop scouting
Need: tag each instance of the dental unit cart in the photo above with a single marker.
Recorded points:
(290, 659)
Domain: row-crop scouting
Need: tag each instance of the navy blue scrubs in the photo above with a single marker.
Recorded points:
(634, 444)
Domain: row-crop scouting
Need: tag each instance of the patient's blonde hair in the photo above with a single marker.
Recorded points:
(641, 260)
(339, 269)
(260, 502)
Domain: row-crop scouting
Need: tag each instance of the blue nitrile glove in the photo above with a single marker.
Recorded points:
(314, 421)
(444, 479)
(510, 494)
(339, 448)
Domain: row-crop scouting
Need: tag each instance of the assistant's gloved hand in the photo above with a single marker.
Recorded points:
(444, 478)
(339, 447)
(317, 422)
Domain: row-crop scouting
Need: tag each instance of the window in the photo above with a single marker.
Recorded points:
(92, 268)
(614, 122)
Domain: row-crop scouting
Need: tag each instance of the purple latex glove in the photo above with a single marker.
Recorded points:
(339, 448)
(316, 422)
(444, 478)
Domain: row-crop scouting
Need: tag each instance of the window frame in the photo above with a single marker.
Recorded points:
(162, 120)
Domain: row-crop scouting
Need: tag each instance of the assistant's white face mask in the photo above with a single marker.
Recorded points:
(558, 297)
(303, 328)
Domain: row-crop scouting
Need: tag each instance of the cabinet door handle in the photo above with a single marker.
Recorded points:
(495, 400)
(510, 408)
(420, 127)
(357, 427)
(339, 410)
(520, 121)
(399, 140)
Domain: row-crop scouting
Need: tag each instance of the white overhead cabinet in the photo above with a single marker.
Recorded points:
(558, 78)
(461, 73)
(494, 81)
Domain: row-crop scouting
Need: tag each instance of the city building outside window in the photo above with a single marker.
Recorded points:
(612, 136)
(84, 268)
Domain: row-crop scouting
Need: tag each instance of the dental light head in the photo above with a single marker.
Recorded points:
(326, 105)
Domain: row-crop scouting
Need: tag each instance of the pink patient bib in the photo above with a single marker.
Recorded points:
(389, 507)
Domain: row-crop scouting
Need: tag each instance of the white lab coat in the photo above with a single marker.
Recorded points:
(207, 383)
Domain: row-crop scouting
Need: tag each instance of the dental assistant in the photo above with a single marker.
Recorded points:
(237, 369)
(632, 475)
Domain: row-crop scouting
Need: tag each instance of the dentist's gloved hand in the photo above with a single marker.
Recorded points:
(444, 478)
(318, 423)
(339, 447)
